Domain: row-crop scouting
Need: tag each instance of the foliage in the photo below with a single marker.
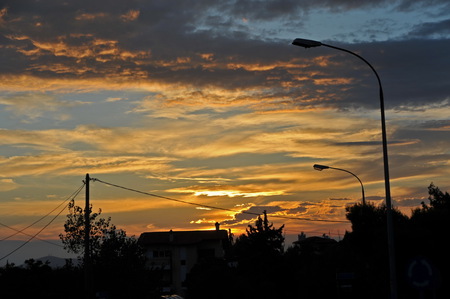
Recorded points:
(259, 254)
(256, 264)
(35, 279)
(114, 255)
(251, 268)
(261, 241)
(434, 215)
(74, 228)
(364, 250)
(438, 199)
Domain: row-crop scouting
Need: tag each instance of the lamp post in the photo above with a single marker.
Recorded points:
(306, 43)
(322, 167)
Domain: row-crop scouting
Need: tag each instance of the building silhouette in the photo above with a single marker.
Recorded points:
(176, 252)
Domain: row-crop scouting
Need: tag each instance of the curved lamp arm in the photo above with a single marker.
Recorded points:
(322, 167)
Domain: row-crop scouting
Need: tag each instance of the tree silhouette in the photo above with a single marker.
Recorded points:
(114, 255)
(74, 228)
(259, 258)
(436, 214)
(422, 235)
(430, 224)
(253, 267)
(261, 241)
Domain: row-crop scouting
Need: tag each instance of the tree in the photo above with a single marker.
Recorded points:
(364, 251)
(430, 224)
(114, 255)
(259, 255)
(262, 241)
(434, 215)
(74, 228)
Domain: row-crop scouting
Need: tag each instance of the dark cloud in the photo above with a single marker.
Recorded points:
(407, 5)
(409, 71)
(269, 9)
(249, 214)
(438, 124)
(340, 199)
(412, 203)
(151, 39)
(298, 210)
(439, 29)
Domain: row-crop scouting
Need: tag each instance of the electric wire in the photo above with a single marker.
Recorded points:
(23, 229)
(315, 232)
(306, 219)
(29, 235)
(212, 207)
(169, 198)
(50, 222)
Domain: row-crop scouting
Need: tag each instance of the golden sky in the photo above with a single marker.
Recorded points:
(207, 102)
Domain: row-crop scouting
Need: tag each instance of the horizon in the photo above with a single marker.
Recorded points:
(41, 248)
(208, 106)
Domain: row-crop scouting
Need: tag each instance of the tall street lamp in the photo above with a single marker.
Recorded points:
(306, 43)
(322, 167)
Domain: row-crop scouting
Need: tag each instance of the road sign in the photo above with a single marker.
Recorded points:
(422, 274)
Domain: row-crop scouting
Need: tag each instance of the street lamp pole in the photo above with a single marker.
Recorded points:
(322, 167)
(306, 43)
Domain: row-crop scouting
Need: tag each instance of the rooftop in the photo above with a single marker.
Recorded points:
(181, 237)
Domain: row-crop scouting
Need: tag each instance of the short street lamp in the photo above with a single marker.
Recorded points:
(306, 43)
(322, 167)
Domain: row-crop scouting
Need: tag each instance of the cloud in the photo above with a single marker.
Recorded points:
(130, 16)
(304, 214)
(111, 100)
(33, 105)
(228, 190)
(75, 163)
(8, 184)
(427, 30)
(94, 43)
(248, 217)
(208, 101)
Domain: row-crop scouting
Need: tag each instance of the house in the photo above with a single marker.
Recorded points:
(314, 245)
(176, 252)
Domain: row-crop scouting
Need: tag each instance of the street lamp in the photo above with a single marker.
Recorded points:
(322, 167)
(306, 43)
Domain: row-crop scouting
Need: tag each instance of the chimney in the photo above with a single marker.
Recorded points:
(217, 226)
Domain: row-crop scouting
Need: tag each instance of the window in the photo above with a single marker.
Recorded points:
(161, 253)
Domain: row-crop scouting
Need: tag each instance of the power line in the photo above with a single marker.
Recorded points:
(24, 233)
(212, 207)
(307, 219)
(50, 222)
(306, 231)
(171, 199)
(74, 194)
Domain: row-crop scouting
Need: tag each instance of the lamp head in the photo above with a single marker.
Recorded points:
(320, 167)
(306, 43)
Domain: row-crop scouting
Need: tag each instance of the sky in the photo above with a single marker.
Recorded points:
(208, 102)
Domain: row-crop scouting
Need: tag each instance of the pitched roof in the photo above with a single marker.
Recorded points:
(181, 237)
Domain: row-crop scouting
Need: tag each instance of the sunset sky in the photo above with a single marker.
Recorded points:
(208, 102)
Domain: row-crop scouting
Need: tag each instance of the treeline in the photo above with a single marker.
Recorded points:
(356, 267)
(256, 264)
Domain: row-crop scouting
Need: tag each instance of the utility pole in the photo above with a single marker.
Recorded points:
(87, 250)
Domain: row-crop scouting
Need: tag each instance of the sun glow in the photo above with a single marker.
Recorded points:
(234, 193)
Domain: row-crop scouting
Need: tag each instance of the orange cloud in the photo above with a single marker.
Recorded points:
(81, 46)
(131, 15)
(89, 16)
